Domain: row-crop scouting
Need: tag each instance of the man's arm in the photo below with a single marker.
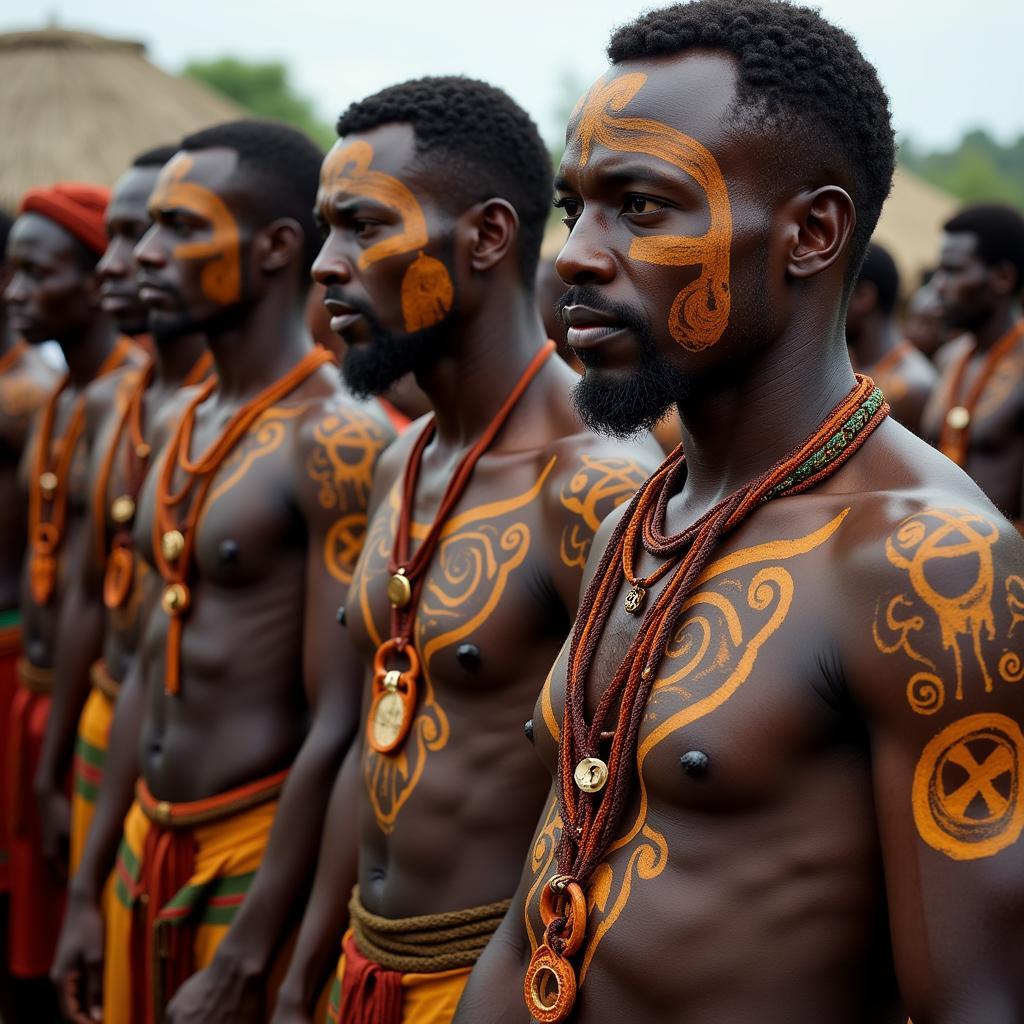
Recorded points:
(78, 964)
(938, 675)
(326, 917)
(333, 503)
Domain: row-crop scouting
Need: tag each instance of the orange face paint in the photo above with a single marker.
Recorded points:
(700, 311)
(221, 278)
(427, 291)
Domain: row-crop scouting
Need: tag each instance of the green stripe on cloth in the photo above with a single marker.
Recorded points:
(213, 902)
(96, 756)
(87, 790)
(11, 617)
(126, 873)
(334, 1000)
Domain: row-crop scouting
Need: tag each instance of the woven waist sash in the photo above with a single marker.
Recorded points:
(426, 944)
(215, 808)
(102, 680)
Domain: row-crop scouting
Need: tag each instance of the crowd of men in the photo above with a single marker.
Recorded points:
(364, 655)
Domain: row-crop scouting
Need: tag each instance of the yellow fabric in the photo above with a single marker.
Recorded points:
(94, 730)
(227, 849)
(426, 998)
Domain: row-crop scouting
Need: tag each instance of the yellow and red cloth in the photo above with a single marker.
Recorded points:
(182, 872)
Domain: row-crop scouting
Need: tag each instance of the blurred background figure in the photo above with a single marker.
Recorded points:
(923, 323)
(876, 346)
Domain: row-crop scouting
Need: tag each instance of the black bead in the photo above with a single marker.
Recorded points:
(340, 615)
(227, 552)
(695, 763)
(528, 729)
(468, 656)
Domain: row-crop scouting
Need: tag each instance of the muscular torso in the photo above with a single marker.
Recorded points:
(23, 389)
(444, 823)
(754, 892)
(242, 710)
(995, 457)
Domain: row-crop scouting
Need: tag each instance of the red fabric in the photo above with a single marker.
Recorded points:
(370, 994)
(8, 688)
(398, 418)
(76, 207)
(37, 900)
(168, 860)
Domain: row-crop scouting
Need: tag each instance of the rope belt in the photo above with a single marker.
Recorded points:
(34, 678)
(102, 680)
(426, 944)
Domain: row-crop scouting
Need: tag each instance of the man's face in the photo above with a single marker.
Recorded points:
(386, 261)
(963, 283)
(127, 221)
(666, 259)
(191, 259)
(52, 291)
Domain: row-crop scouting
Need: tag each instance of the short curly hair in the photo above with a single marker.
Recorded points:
(155, 157)
(284, 164)
(999, 230)
(797, 72)
(879, 269)
(487, 145)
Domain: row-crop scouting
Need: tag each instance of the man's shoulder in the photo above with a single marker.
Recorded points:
(336, 419)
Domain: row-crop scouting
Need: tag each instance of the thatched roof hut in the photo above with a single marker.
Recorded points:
(910, 227)
(77, 105)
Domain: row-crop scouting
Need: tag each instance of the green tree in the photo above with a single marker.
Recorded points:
(265, 90)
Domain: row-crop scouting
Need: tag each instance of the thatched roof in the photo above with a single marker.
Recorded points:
(77, 105)
(910, 226)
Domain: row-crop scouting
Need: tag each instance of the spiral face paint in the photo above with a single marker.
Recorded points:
(220, 279)
(700, 312)
(427, 291)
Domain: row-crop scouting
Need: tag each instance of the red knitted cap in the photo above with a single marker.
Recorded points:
(76, 206)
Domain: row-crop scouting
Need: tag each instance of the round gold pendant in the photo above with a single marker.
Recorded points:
(635, 599)
(48, 484)
(958, 417)
(122, 510)
(388, 719)
(175, 599)
(399, 590)
(591, 774)
(172, 544)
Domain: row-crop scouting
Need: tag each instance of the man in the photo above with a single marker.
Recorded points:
(784, 736)
(25, 381)
(905, 376)
(976, 417)
(53, 293)
(236, 710)
(435, 200)
(923, 324)
(116, 408)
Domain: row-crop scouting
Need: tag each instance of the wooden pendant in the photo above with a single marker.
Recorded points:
(120, 572)
(393, 705)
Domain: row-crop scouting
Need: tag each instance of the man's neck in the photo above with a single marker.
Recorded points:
(486, 354)
(86, 352)
(876, 339)
(1002, 320)
(734, 435)
(174, 360)
(260, 350)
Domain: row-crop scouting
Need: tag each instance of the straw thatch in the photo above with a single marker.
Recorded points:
(910, 226)
(77, 105)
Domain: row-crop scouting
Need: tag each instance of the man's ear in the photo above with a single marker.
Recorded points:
(821, 225)
(278, 245)
(491, 230)
(1004, 279)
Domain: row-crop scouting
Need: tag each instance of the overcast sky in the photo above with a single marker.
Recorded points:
(948, 66)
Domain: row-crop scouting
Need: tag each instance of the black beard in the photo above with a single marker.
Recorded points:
(168, 327)
(371, 367)
(624, 406)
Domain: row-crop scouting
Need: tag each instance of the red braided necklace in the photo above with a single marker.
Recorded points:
(593, 786)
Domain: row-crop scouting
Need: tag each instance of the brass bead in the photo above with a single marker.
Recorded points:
(399, 590)
(143, 450)
(122, 510)
(172, 544)
(48, 484)
(591, 774)
(958, 417)
(175, 599)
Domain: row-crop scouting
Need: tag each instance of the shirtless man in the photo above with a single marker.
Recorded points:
(435, 200)
(240, 701)
(976, 417)
(906, 377)
(25, 381)
(787, 751)
(923, 323)
(52, 293)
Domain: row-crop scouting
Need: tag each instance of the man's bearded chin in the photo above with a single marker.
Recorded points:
(371, 367)
(167, 327)
(624, 404)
